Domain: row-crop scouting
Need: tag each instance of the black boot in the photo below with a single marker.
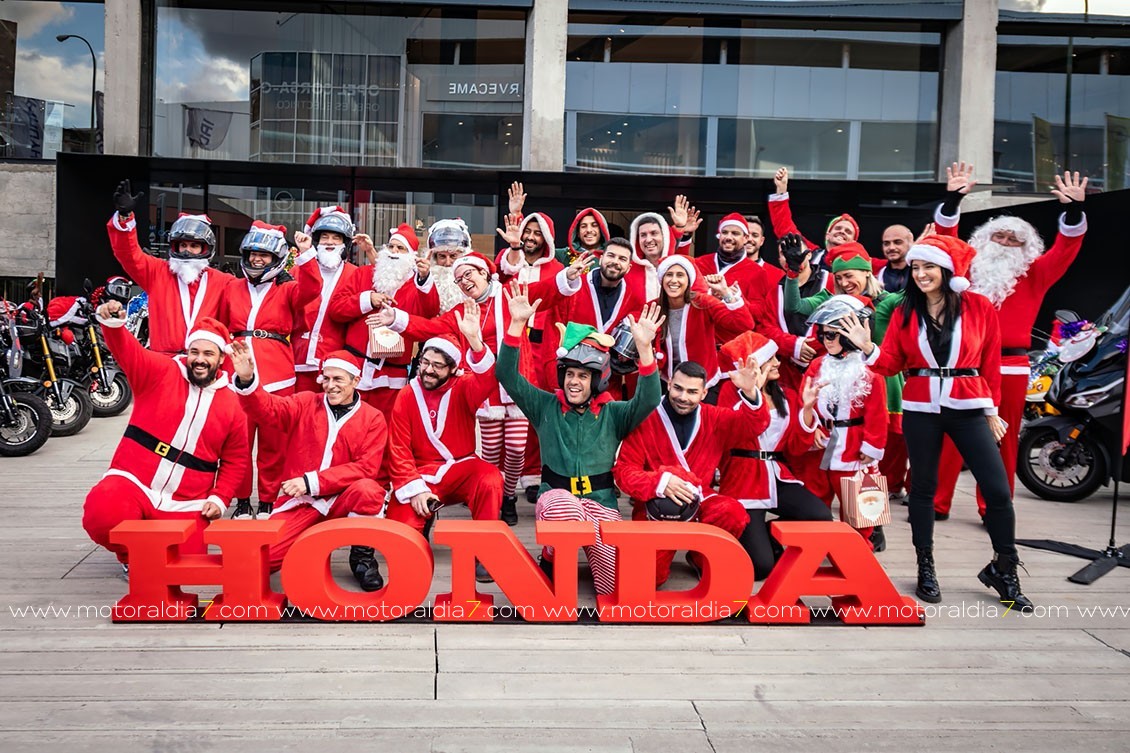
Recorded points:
(481, 573)
(878, 539)
(365, 568)
(532, 495)
(509, 514)
(928, 589)
(1001, 575)
(546, 567)
(242, 510)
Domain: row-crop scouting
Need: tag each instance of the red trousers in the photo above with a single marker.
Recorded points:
(270, 455)
(115, 499)
(833, 489)
(306, 381)
(1014, 389)
(382, 399)
(717, 510)
(364, 497)
(472, 482)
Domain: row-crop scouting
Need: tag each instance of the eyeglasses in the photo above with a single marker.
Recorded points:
(459, 280)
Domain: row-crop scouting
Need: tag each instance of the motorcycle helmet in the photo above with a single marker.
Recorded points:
(334, 220)
(268, 239)
(449, 234)
(583, 346)
(625, 358)
(118, 289)
(192, 227)
(839, 307)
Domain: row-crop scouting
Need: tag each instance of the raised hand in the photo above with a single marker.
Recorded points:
(521, 309)
(781, 180)
(680, 213)
(364, 245)
(793, 251)
(859, 332)
(381, 318)
(124, 202)
(111, 310)
(242, 362)
(694, 219)
(580, 265)
(517, 197)
(747, 377)
(468, 323)
(929, 230)
(646, 326)
(512, 234)
(302, 241)
(1069, 188)
(717, 286)
(423, 269)
(809, 393)
(959, 177)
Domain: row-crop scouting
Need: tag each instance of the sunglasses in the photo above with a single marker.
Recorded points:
(826, 335)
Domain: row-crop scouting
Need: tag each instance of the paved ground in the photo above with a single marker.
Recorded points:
(965, 681)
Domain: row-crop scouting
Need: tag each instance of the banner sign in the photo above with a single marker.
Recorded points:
(206, 129)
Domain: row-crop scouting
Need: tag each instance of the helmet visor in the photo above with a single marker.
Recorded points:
(258, 240)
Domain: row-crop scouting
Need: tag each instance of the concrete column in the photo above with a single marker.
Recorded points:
(543, 109)
(123, 77)
(968, 88)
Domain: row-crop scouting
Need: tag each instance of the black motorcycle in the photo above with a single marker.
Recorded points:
(91, 365)
(1066, 457)
(25, 420)
(48, 360)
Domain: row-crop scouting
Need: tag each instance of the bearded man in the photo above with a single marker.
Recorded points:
(1012, 270)
(447, 241)
(183, 289)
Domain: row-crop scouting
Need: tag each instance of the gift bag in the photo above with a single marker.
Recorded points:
(863, 500)
(384, 343)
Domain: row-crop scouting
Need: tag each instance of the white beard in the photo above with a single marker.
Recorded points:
(188, 270)
(450, 295)
(330, 256)
(391, 271)
(996, 269)
(843, 381)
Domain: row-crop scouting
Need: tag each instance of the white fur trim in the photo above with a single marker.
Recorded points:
(469, 260)
(959, 284)
(737, 301)
(215, 499)
(1072, 231)
(942, 220)
(212, 337)
(399, 320)
(366, 302)
(931, 254)
(871, 359)
(992, 411)
(306, 256)
(681, 261)
(765, 352)
(428, 283)
(248, 389)
(485, 362)
(779, 196)
(733, 223)
(312, 479)
(445, 346)
(565, 286)
(871, 451)
(394, 236)
(662, 485)
(341, 363)
(411, 489)
(129, 224)
(111, 323)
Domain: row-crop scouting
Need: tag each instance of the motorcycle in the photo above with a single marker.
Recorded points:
(1075, 338)
(92, 365)
(69, 401)
(25, 420)
(1067, 457)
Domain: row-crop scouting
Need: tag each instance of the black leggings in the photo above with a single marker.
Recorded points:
(970, 434)
(794, 502)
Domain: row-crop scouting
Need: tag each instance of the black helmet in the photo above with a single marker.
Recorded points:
(334, 222)
(192, 227)
(664, 508)
(625, 357)
(268, 240)
(118, 289)
(586, 356)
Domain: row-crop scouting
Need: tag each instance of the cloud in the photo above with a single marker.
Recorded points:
(53, 78)
(32, 17)
(205, 79)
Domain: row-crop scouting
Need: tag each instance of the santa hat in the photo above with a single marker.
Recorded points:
(445, 345)
(733, 219)
(845, 217)
(680, 261)
(946, 251)
(406, 235)
(278, 231)
(574, 334)
(545, 223)
(477, 260)
(850, 255)
(344, 360)
(211, 330)
(324, 212)
(748, 344)
(201, 217)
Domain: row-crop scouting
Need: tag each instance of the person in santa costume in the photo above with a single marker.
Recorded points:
(849, 415)
(667, 464)
(756, 471)
(693, 318)
(182, 289)
(398, 276)
(185, 448)
(502, 426)
(432, 434)
(321, 263)
(948, 341)
(653, 240)
(753, 244)
(588, 232)
(447, 241)
(580, 425)
(798, 343)
(260, 310)
(1014, 272)
(335, 446)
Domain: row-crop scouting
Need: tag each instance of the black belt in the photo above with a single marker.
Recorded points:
(1014, 351)
(757, 455)
(535, 335)
(168, 452)
(848, 422)
(262, 334)
(943, 373)
(380, 363)
(576, 485)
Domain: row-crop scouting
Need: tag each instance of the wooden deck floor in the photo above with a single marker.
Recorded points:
(965, 681)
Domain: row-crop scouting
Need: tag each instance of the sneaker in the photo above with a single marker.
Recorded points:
(242, 510)
(481, 574)
(125, 572)
(509, 514)
(265, 510)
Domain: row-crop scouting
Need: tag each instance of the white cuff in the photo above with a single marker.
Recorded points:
(798, 346)
(992, 411)
(807, 428)
(245, 390)
(565, 286)
(111, 323)
(411, 489)
(504, 265)
(485, 362)
(366, 302)
(779, 196)
(218, 502)
(1072, 231)
(942, 220)
(754, 404)
(735, 304)
(428, 284)
(399, 320)
(872, 451)
(129, 225)
(686, 239)
(869, 360)
(312, 482)
(661, 487)
(306, 256)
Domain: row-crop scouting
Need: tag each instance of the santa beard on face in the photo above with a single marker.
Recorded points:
(330, 256)
(188, 270)
(392, 270)
(450, 295)
(843, 381)
(996, 269)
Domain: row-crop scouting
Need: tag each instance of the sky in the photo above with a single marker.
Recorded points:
(53, 70)
(1097, 7)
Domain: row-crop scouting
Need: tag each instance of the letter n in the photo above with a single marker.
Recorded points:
(860, 590)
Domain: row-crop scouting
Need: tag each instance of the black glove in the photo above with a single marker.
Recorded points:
(1073, 213)
(123, 201)
(793, 249)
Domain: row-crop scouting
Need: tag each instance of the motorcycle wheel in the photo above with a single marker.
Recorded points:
(73, 415)
(117, 399)
(1042, 470)
(30, 430)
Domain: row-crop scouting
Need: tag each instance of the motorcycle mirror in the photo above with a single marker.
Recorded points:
(1067, 316)
(87, 286)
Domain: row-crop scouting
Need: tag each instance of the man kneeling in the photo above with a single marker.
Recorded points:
(335, 446)
(432, 437)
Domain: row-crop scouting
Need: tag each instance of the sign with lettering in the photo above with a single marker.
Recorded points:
(442, 88)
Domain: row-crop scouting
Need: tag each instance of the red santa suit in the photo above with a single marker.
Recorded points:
(643, 278)
(652, 454)
(184, 446)
(781, 217)
(795, 333)
(174, 307)
(315, 333)
(1017, 316)
(432, 442)
(337, 457)
(544, 267)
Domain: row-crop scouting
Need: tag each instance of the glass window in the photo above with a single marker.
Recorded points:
(645, 144)
(469, 141)
(756, 148)
(897, 151)
(46, 100)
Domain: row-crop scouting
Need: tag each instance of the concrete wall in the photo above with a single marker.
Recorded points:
(27, 220)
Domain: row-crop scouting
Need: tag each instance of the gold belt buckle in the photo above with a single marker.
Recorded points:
(162, 449)
(585, 485)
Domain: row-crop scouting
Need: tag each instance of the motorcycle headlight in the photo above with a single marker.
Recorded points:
(1091, 397)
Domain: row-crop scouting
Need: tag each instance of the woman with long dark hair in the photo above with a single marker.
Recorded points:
(947, 341)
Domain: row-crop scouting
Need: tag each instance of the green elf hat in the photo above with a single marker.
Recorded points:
(850, 255)
(574, 334)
